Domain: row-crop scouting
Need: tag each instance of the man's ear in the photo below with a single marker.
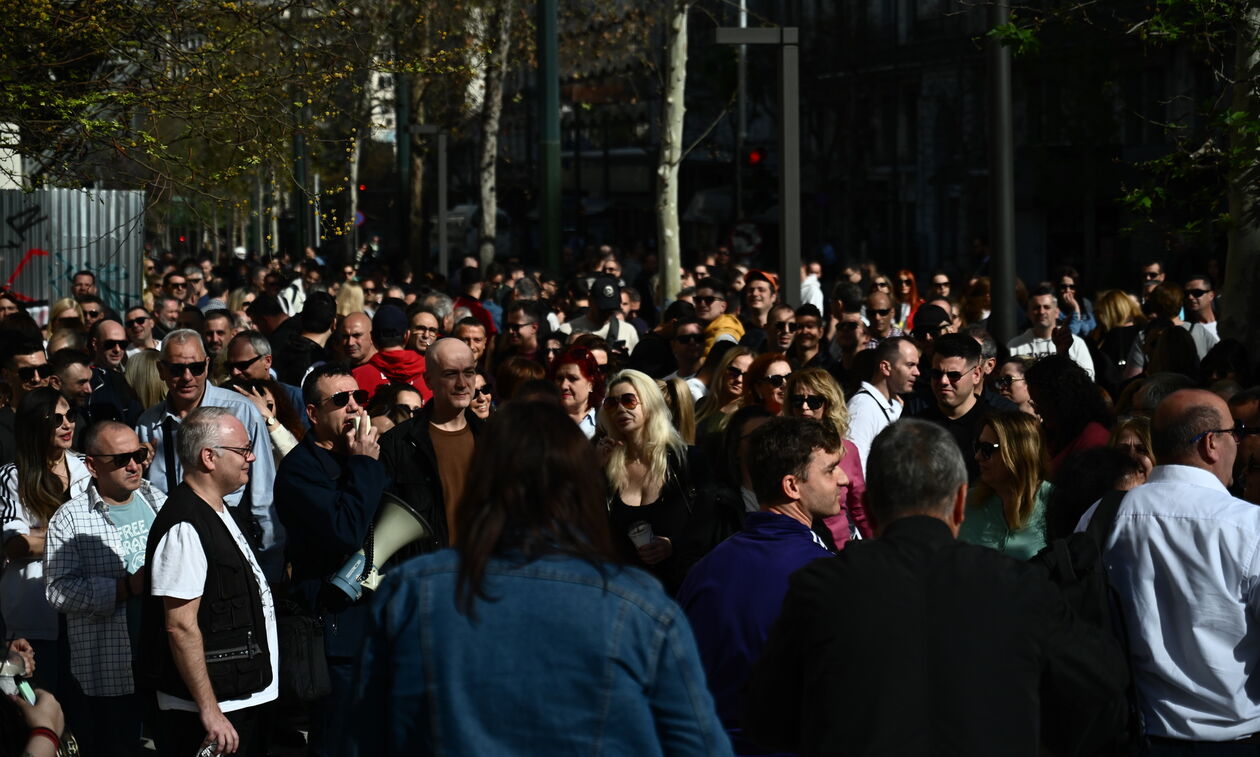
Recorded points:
(54, 381)
(791, 487)
(959, 510)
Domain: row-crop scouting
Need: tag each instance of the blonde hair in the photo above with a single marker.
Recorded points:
(1023, 451)
(655, 440)
(1141, 427)
(236, 299)
(350, 299)
(58, 311)
(1113, 309)
(142, 374)
(823, 383)
(682, 406)
(712, 403)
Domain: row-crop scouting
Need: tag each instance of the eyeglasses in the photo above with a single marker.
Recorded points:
(776, 380)
(426, 330)
(628, 401)
(1238, 432)
(29, 372)
(1006, 382)
(709, 299)
(114, 344)
(986, 450)
(177, 369)
(785, 326)
(483, 390)
(812, 401)
(123, 459)
(880, 313)
(243, 365)
(60, 418)
(138, 321)
(244, 452)
(515, 327)
(341, 399)
(953, 376)
(408, 410)
(689, 338)
(1196, 293)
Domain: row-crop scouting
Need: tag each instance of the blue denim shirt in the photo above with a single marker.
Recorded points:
(562, 660)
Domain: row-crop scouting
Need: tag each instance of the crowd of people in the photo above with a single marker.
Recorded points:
(732, 525)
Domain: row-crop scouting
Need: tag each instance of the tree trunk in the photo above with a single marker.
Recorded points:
(1239, 305)
(672, 115)
(419, 152)
(491, 109)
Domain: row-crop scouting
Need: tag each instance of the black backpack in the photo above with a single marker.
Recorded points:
(1075, 565)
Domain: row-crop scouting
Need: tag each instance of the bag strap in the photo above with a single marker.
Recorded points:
(168, 450)
(1104, 520)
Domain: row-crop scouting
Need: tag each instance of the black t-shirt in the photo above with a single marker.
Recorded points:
(965, 431)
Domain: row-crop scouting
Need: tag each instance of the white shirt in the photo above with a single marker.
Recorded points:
(583, 325)
(179, 570)
(811, 292)
(698, 389)
(1027, 344)
(1184, 558)
(869, 413)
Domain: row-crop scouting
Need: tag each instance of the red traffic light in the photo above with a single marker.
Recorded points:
(363, 187)
(182, 239)
(755, 156)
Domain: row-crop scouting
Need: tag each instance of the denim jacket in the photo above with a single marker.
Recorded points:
(561, 660)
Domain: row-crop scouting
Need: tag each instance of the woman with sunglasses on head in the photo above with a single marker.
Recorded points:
(765, 383)
(581, 383)
(1007, 508)
(44, 476)
(814, 393)
(1011, 384)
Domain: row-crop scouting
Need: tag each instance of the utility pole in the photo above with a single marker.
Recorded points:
(1001, 181)
(549, 138)
(402, 141)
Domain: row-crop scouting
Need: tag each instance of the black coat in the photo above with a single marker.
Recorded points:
(917, 644)
(411, 464)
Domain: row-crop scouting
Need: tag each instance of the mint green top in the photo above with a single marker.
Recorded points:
(985, 524)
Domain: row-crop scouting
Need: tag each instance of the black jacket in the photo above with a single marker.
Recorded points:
(917, 644)
(410, 463)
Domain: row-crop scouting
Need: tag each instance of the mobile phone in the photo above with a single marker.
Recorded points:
(209, 750)
(26, 692)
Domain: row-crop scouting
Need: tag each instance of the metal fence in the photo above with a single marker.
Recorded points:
(50, 234)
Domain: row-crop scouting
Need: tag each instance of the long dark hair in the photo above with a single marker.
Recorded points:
(286, 413)
(1067, 399)
(539, 491)
(39, 489)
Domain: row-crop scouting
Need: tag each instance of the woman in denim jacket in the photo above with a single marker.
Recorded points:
(527, 638)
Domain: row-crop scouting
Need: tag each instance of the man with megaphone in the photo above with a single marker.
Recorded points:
(328, 490)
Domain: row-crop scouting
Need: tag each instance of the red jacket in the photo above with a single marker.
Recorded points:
(393, 367)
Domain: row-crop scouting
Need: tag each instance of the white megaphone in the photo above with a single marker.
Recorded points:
(397, 525)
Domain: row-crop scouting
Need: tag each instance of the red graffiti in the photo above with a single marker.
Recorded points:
(34, 252)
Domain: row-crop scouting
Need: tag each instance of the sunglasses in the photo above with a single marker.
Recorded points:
(1196, 293)
(786, 326)
(986, 450)
(178, 284)
(627, 400)
(708, 300)
(514, 327)
(407, 410)
(29, 372)
(553, 350)
(880, 313)
(177, 369)
(59, 418)
(341, 399)
(1067, 287)
(734, 372)
(483, 390)
(1150, 276)
(953, 376)
(882, 285)
(848, 326)
(91, 314)
(123, 459)
(905, 282)
(777, 380)
(1006, 382)
(114, 344)
(138, 321)
(689, 338)
(940, 283)
(243, 365)
(812, 401)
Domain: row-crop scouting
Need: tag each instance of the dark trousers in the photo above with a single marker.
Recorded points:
(179, 734)
(105, 726)
(1175, 748)
(328, 715)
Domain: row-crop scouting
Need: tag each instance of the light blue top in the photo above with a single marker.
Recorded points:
(985, 524)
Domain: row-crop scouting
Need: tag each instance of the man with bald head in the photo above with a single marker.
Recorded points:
(428, 457)
(354, 339)
(1182, 558)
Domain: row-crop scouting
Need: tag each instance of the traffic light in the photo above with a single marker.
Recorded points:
(754, 156)
(363, 187)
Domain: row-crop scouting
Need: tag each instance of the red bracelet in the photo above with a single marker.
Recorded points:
(49, 734)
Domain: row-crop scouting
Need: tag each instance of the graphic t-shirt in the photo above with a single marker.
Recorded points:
(132, 521)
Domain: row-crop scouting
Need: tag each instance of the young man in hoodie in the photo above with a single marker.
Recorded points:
(393, 363)
(710, 299)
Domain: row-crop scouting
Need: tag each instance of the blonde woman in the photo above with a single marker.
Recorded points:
(1132, 436)
(726, 395)
(1007, 508)
(645, 459)
(814, 393)
(350, 299)
(142, 375)
(1120, 320)
(682, 408)
(65, 313)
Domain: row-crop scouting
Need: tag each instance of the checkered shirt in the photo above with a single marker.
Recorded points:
(83, 561)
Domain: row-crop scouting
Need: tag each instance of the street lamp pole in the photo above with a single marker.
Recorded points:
(1001, 181)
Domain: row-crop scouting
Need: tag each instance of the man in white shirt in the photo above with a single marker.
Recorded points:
(877, 404)
(214, 663)
(1183, 561)
(1199, 299)
(688, 348)
(1042, 340)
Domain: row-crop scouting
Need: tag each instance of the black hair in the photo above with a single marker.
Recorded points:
(310, 393)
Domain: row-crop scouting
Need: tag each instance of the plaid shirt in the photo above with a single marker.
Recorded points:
(83, 561)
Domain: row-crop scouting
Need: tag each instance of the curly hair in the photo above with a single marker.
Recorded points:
(821, 382)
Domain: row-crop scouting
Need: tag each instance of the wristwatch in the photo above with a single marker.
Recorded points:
(271, 421)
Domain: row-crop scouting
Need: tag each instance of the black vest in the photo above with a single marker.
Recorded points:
(233, 626)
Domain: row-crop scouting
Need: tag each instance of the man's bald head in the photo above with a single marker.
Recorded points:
(445, 351)
(356, 338)
(1186, 431)
(450, 372)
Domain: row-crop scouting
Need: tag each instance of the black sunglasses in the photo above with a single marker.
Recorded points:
(408, 410)
(341, 399)
(627, 400)
(60, 418)
(953, 376)
(122, 459)
(114, 344)
(178, 284)
(91, 314)
(689, 338)
(1067, 287)
(812, 401)
(177, 369)
(708, 300)
(776, 380)
(138, 321)
(515, 327)
(880, 312)
(905, 282)
(29, 372)
(986, 450)
(735, 372)
(1196, 293)
(1006, 382)
(553, 350)
(848, 326)
(243, 365)
(483, 390)
(788, 326)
